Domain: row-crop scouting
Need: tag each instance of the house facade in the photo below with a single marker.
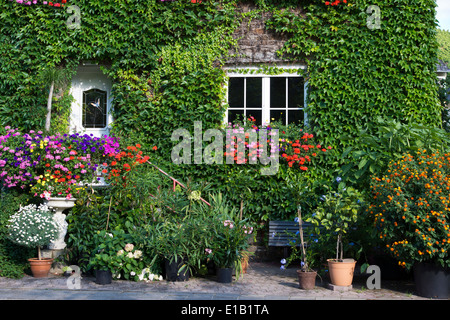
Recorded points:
(291, 62)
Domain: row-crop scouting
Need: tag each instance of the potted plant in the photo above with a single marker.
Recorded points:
(409, 207)
(337, 213)
(230, 239)
(33, 226)
(306, 275)
(299, 156)
(105, 260)
(173, 247)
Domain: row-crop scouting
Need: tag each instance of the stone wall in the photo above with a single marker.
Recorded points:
(257, 45)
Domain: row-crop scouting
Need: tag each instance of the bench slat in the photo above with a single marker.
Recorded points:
(282, 232)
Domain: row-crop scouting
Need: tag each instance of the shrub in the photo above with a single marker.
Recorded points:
(410, 207)
(33, 226)
(13, 258)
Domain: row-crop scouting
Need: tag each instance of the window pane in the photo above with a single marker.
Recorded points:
(257, 114)
(254, 92)
(278, 92)
(94, 109)
(234, 115)
(278, 115)
(236, 93)
(295, 92)
(296, 116)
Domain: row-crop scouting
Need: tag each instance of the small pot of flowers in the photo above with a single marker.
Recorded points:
(33, 226)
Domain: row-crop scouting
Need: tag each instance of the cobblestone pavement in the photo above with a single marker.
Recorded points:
(263, 281)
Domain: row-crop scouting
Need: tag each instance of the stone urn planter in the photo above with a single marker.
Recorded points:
(59, 205)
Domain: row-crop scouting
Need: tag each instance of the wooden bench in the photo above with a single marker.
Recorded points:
(281, 233)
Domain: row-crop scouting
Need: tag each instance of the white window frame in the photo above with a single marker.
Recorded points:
(248, 72)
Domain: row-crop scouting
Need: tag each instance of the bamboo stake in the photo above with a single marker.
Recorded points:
(300, 225)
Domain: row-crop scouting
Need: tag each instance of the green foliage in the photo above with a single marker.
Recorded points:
(444, 98)
(165, 59)
(443, 38)
(338, 213)
(409, 208)
(116, 251)
(387, 140)
(357, 73)
(229, 235)
(13, 258)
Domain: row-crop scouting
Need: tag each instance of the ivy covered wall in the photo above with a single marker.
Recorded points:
(165, 58)
(364, 58)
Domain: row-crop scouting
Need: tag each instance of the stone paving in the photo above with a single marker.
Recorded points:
(263, 281)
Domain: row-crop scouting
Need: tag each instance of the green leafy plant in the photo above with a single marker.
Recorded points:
(117, 252)
(409, 208)
(230, 240)
(13, 257)
(308, 259)
(372, 151)
(337, 213)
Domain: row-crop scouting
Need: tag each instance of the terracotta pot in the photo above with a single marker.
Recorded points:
(40, 268)
(341, 272)
(244, 263)
(306, 279)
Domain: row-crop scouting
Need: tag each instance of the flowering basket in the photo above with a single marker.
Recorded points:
(410, 208)
(51, 166)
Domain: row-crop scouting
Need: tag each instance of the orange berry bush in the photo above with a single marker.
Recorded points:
(410, 208)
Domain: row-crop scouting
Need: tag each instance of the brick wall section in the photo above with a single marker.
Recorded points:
(257, 45)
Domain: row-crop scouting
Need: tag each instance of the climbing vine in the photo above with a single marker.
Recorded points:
(363, 58)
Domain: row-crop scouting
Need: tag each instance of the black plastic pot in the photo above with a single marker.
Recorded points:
(432, 280)
(103, 277)
(173, 266)
(225, 275)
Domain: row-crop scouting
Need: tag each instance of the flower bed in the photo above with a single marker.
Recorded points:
(49, 166)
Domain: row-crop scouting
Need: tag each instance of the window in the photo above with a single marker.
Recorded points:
(266, 98)
(94, 108)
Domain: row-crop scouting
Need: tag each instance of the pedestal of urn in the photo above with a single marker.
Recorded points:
(59, 205)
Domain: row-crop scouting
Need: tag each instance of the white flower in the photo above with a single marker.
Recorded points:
(120, 252)
(129, 247)
(137, 254)
(130, 255)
